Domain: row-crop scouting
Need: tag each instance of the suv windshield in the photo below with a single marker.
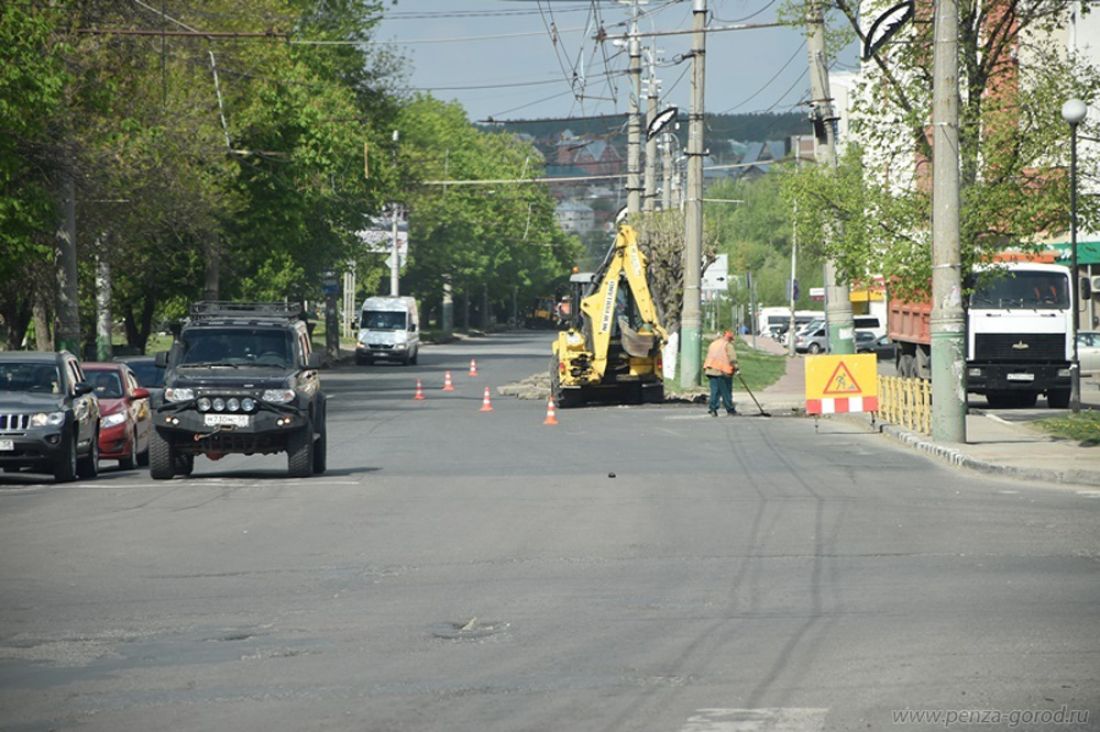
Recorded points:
(382, 320)
(35, 377)
(1040, 290)
(236, 347)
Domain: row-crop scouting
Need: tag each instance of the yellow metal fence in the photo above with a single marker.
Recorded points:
(906, 402)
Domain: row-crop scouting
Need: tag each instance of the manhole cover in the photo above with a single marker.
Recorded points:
(468, 630)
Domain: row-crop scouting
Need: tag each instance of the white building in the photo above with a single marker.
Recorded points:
(574, 217)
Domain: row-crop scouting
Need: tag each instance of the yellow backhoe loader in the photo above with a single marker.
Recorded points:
(612, 348)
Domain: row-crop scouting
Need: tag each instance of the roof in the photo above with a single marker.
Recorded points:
(29, 356)
(573, 206)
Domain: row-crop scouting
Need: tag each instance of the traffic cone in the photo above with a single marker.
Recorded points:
(473, 367)
(419, 390)
(448, 385)
(486, 405)
(551, 416)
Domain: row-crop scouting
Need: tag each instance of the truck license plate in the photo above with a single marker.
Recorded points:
(1021, 377)
(217, 420)
(7, 445)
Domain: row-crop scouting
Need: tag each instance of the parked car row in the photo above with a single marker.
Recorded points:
(62, 417)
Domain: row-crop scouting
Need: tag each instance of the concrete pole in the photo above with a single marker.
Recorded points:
(68, 311)
(948, 321)
(103, 349)
(649, 202)
(837, 297)
(447, 316)
(666, 173)
(634, 131)
(395, 263)
(794, 275)
(690, 320)
(211, 288)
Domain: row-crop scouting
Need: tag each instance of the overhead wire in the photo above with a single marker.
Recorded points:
(769, 82)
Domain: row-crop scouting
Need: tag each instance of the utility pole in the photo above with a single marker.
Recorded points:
(650, 200)
(794, 279)
(447, 314)
(68, 312)
(634, 123)
(948, 321)
(838, 306)
(103, 350)
(666, 172)
(690, 320)
(395, 262)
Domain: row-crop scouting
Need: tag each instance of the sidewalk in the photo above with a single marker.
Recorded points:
(1006, 446)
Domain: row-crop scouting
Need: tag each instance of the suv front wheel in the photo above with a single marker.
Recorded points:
(299, 452)
(87, 467)
(162, 458)
(64, 470)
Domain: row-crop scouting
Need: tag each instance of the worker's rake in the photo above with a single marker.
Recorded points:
(762, 412)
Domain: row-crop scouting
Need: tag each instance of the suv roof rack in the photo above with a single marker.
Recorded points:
(222, 309)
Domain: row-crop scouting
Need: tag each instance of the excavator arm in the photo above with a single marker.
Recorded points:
(625, 261)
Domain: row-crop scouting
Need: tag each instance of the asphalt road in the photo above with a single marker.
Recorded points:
(640, 568)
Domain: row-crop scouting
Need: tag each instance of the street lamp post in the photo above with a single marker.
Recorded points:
(1073, 112)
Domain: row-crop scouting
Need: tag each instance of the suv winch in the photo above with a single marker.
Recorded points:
(240, 378)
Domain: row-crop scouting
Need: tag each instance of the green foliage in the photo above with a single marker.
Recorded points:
(756, 234)
(1084, 427)
(873, 212)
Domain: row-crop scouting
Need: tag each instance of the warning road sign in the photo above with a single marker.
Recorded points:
(838, 384)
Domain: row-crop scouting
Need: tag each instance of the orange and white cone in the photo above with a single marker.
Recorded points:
(486, 405)
(419, 390)
(448, 385)
(473, 367)
(551, 415)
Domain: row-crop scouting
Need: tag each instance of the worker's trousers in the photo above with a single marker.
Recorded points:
(721, 388)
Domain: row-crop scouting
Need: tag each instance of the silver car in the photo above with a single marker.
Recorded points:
(1088, 351)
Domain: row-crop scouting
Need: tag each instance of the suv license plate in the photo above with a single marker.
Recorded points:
(1021, 377)
(217, 420)
(7, 445)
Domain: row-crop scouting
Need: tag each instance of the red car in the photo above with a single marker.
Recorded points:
(125, 421)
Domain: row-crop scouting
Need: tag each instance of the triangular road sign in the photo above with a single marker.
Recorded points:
(842, 382)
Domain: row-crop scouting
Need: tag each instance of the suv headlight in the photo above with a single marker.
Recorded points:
(41, 419)
(179, 394)
(278, 396)
(113, 419)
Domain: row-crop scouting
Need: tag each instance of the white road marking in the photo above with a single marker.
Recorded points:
(764, 719)
(1089, 494)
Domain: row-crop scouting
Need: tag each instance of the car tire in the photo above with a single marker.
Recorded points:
(87, 467)
(127, 463)
(299, 452)
(184, 465)
(1058, 398)
(320, 450)
(143, 458)
(415, 357)
(64, 470)
(162, 464)
(814, 348)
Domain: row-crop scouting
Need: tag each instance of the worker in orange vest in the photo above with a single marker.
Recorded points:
(720, 366)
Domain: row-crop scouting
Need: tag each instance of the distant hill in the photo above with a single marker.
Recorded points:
(743, 127)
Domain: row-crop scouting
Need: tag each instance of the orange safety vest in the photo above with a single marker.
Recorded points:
(718, 357)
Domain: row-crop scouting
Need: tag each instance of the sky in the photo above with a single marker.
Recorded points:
(507, 46)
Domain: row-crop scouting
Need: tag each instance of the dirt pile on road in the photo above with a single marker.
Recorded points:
(536, 386)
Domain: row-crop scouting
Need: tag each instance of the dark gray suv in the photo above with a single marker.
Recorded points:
(49, 416)
(240, 378)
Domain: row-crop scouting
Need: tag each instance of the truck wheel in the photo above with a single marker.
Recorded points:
(654, 394)
(320, 448)
(1058, 398)
(184, 465)
(299, 451)
(87, 467)
(415, 356)
(64, 470)
(162, 463)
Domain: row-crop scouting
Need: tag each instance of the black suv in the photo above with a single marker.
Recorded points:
(240, 378)
(49, 416)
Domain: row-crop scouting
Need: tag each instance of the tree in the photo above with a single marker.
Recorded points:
(1013, 79)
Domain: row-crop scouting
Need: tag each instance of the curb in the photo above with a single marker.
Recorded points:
(958, 458)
